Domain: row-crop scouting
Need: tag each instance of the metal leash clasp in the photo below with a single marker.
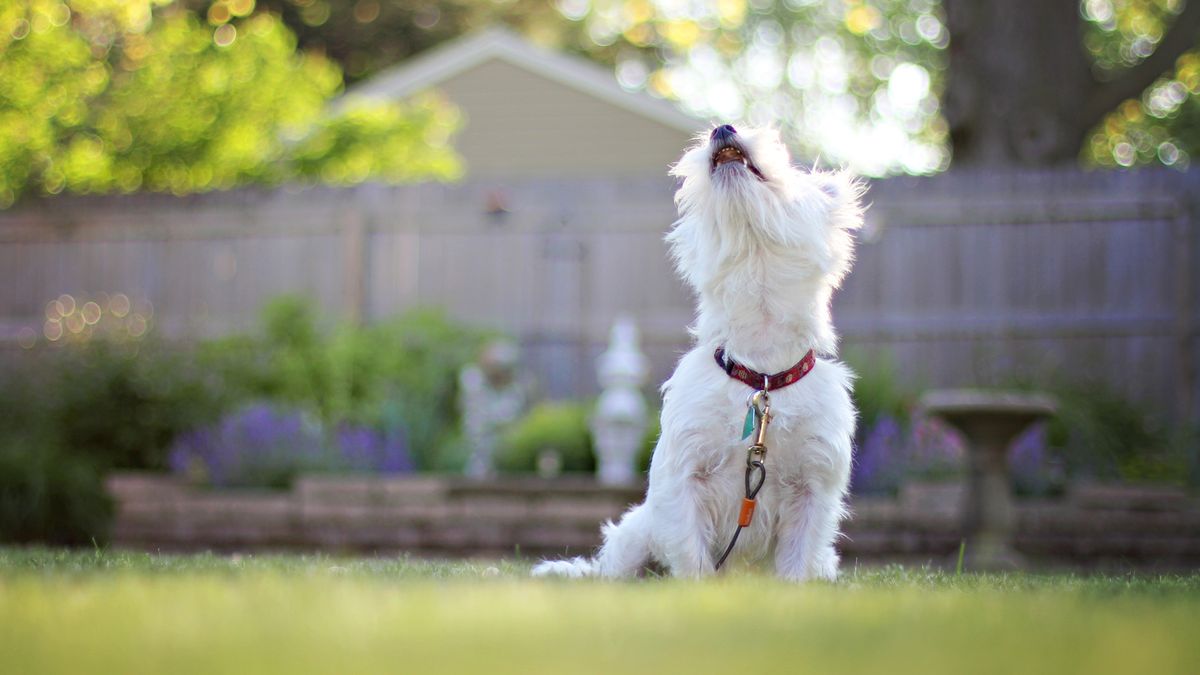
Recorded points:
(756, 455)
(760, 401)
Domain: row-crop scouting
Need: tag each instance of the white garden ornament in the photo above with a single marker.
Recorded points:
(619, 422)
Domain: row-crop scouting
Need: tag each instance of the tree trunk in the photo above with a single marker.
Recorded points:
(1020, 88)
(1018, 77)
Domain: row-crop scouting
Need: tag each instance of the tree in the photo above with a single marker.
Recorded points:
(1022, 89)
(906, 84)
(883, 85)
(727, 59)
(120, 95)
(365, 36)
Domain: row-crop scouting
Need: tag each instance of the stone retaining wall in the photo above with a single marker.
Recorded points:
(1098, 525)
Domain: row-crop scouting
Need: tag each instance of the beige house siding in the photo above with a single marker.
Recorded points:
(520, 124)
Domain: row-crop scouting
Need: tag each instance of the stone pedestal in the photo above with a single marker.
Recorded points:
(990, 420)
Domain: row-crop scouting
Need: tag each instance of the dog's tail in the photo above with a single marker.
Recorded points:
(626, 548)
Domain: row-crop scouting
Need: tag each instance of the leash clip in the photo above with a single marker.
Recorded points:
(761, 402)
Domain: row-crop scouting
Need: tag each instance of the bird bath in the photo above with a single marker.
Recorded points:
(990, 420)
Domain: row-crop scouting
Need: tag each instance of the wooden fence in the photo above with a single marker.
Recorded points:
(961, 279)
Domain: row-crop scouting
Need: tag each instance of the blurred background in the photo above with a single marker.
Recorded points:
(380, 275)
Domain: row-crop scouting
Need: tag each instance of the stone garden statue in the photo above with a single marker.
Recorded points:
(490, 397)
(619, 422)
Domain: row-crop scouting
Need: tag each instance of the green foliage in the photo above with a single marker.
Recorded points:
(1119, 33)
(1162, 126)
(71, 412)
(115, 404)
(558, 427)
(49, 494)
(370, 35)
(105, 96)
(876, 393)
(1103, 435)
(399, 374)
(379, 141)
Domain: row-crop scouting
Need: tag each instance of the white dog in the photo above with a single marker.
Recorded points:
(763, 245)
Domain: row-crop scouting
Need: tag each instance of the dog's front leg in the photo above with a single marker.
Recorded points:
(808, 525)
(686, 531)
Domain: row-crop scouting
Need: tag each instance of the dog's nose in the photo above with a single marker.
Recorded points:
(722, 132)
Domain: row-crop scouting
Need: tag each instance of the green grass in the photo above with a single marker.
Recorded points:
(127, 613)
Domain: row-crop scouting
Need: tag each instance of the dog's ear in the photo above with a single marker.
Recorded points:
(694, 161)
(845, 194)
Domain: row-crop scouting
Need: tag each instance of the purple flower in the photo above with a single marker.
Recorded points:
(893, 451)
(367, 449)
(1028, 463)
(876, 459)
(261, 445)
(258, 445)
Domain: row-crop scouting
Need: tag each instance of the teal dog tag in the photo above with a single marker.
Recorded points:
(748, 426)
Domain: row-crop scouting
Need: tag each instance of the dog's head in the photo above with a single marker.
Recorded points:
(743, 207)
(746, 173)
(726, 164)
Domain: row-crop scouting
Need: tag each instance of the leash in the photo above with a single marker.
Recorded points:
(757, 418)
(756, 468)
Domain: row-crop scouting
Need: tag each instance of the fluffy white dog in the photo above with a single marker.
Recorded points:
(763, 245)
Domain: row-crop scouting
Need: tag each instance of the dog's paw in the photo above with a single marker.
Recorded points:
(574, 568)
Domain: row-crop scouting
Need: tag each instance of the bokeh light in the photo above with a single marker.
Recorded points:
(1158, 126)
(116, 97)
(53, 330)
(119, 305)
(90, 313)
(75, 317)
(854, 82)
(27, 337)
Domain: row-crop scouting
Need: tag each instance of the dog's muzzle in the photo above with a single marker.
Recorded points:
(727, 149)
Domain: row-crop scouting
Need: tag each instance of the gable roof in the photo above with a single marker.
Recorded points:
(436, 65)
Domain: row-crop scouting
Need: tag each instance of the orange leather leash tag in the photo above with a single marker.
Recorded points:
(747, 512)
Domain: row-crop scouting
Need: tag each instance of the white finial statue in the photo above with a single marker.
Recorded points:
(619, 422)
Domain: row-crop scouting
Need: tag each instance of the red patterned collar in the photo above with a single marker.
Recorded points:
(757, 380)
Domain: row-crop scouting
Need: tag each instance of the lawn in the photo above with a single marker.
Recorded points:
(112, 612)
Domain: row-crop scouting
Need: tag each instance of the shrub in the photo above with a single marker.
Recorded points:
(50, 495)
(876, 393)
(103, 400)
(123, 404)
(398, 375)
(70, 412)
(1102, 435)
(119, 404)
(559, 427)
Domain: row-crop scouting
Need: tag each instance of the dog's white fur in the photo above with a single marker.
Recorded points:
(763, 254)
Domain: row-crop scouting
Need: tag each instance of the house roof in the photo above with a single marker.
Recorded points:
(436, 65)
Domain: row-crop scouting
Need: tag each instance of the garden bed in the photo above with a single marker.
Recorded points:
(1094, 525)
